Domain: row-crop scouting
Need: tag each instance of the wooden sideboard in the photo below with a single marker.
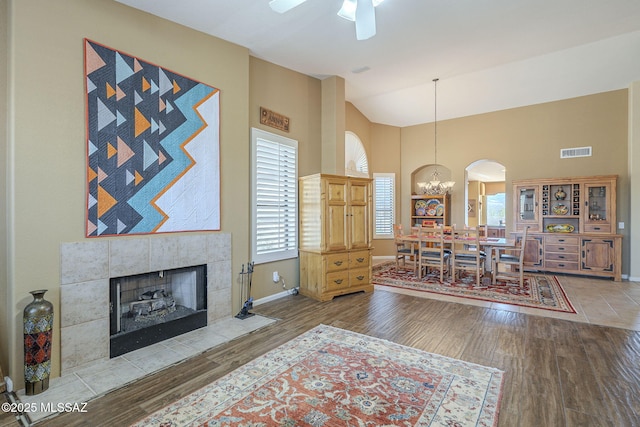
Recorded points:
(572, 225)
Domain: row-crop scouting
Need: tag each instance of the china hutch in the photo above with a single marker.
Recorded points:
(572, 225)
(335, 235)
(435, 209)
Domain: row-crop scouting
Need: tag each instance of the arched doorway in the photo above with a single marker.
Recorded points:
(485, 193)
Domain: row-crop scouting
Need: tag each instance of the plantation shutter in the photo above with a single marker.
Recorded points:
(384, 202)
(275, 196)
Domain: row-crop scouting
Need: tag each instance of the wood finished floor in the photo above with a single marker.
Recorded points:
(558, 372)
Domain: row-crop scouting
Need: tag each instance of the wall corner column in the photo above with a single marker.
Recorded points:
(634, 179)
(333, 125)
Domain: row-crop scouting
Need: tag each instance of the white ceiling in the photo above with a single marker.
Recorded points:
(488, 54)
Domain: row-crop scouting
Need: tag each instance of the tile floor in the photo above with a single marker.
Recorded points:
(597, 301)
(88, 382)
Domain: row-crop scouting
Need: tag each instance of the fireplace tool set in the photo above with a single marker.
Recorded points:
(245, 283)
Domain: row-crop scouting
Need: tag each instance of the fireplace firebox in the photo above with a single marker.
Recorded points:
(149, 308)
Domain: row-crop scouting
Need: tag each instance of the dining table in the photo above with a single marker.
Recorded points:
(486, 243)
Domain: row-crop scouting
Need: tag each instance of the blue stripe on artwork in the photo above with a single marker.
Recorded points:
(141, 201)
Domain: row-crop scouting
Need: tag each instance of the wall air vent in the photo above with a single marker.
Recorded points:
(569, 153)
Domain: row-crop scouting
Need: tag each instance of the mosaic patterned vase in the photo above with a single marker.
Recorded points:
(38, 329)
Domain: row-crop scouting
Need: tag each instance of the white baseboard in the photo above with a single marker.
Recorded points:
(273, 297)
(382, 257)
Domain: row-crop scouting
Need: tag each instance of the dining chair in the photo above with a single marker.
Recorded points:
(507, 262)
(406, 253)
(432, 252)
(466, 256)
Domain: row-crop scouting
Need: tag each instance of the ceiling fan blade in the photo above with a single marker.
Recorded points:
(365, 20)
(282, 6)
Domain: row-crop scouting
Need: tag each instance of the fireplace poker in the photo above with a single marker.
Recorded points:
(243, 291)
(246, 293)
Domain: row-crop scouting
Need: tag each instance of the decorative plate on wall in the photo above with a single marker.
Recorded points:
(560, 228)
(560, 209)
(432, 206)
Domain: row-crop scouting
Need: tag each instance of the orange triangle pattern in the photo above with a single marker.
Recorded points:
(124, 152)
(138, 179)
(111, 151)
(145, 85)
(176, 88)
(92, 59)
(91, 174)
(105, 201)
(161, 158)
(110, 91)
(141, 122)
(162, 105)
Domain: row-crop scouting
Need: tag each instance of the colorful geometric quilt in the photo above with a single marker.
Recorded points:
(153, 139)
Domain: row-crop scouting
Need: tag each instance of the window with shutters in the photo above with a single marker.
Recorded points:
(384, 202)
(274, 191)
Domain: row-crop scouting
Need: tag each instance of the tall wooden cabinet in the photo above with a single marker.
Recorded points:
(572, 225)
(335, 235)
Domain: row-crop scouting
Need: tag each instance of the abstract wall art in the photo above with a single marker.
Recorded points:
(153, 147)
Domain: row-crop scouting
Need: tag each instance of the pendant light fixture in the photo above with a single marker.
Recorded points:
(435, 186)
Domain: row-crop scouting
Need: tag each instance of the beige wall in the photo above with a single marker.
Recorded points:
(527, 141)
(5, 298)
(382, 144)
(298, 97)
(45, 139)
(55, 149)
(48, 134)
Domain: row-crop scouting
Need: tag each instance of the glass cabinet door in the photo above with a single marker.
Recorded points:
(528, 204)
(598, 206)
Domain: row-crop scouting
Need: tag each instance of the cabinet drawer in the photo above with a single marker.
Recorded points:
(555, 256)
(337, 262)
(359, 259)
(561, 265)
(337, 280)
(359, 277)
(561, 248)
(561, 240)
(597, 228)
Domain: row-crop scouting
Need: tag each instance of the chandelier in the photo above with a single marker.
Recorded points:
(435, 186)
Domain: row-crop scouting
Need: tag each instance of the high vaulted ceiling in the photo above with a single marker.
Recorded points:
(488, 54)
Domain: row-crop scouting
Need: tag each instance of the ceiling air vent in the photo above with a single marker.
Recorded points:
(569, 153)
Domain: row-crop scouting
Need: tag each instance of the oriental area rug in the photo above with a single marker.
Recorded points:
(333, 377)
(539, 290)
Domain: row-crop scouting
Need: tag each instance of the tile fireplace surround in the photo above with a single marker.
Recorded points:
(85, 270)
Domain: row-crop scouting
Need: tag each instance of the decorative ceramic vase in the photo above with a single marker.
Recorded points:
(560, 194)
(38, 330)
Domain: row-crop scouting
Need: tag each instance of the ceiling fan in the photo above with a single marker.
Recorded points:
(360, 11)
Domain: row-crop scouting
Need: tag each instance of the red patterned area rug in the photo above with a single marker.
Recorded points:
(333, 377)
(539, 290)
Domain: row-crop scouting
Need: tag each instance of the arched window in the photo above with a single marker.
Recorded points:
(355, 157)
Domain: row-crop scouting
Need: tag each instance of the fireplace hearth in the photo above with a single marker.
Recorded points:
(86, 270)
(151, 307)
